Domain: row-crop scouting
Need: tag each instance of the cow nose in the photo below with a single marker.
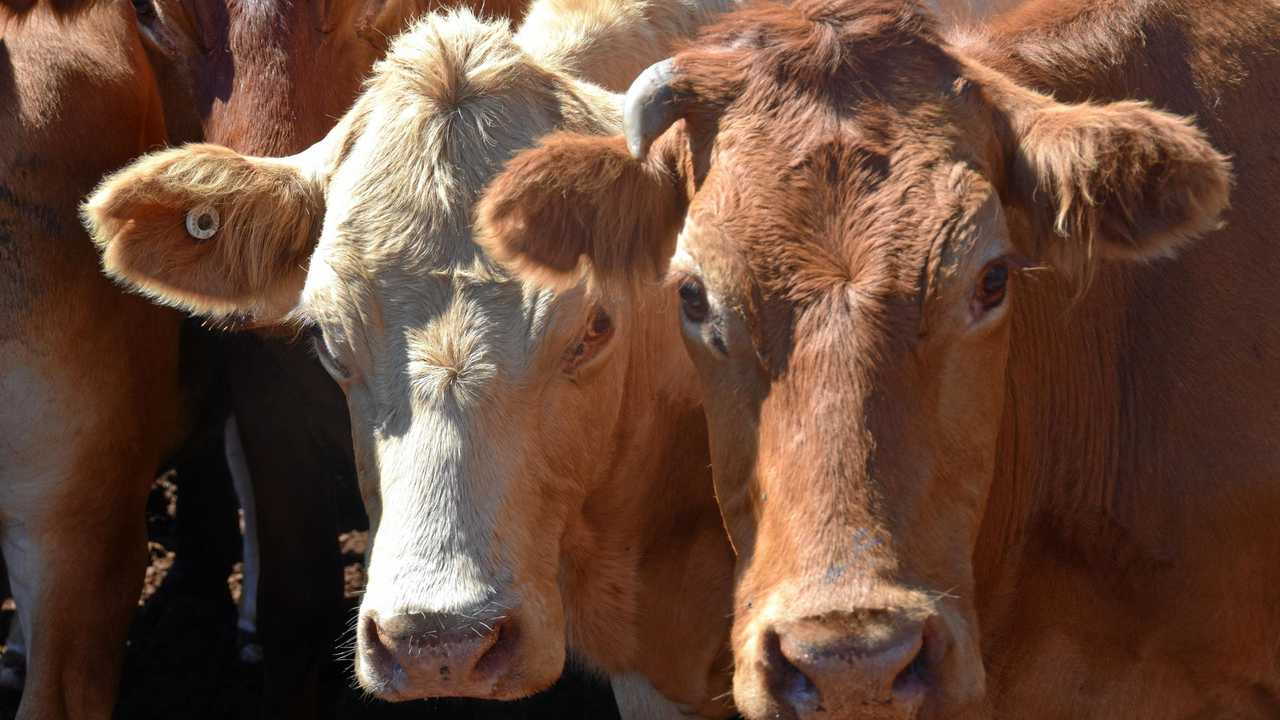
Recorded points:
(824, 669)
(418, 655)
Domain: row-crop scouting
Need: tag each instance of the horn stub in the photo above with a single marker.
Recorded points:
(650, 107)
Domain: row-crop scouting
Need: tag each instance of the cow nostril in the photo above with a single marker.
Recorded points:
(786, 681)
(913, 681)
(377, 648)
(912, 678)
(501, 653)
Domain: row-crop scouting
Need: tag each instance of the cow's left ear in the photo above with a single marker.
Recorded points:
(1117, 181)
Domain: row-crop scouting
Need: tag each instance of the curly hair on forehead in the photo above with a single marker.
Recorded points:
(839, 48)
(823, 26)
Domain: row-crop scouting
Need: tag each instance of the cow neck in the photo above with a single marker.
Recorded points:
(1078, 455)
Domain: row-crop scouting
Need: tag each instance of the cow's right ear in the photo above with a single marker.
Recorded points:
(210, 231)
(579, 197)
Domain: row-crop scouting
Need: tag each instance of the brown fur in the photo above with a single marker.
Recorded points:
(1139, 182)
(88, 375)
(271, 78)
(62, 9)
(1077, 485)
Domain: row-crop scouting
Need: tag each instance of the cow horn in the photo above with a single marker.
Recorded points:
(650, 107)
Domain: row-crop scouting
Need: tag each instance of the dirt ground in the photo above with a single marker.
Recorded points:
(183, 659)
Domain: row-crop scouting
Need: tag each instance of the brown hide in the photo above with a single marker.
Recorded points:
(1133, 510)
(271, 78)
(88, 375)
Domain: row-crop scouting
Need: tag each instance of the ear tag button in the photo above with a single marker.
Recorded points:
(203, 221)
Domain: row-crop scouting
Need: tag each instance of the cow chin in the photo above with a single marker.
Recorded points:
(501, 648)
(902, 656)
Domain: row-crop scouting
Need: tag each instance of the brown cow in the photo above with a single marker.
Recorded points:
(992, 434)
(88, 376)
(534, 479)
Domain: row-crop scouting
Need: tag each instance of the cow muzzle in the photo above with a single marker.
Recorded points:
(471, 653)
(870, 665)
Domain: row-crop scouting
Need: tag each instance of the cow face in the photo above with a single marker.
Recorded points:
(860, 212)
(483, 411)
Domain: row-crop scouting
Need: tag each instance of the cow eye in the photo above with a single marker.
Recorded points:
(595, 337)
(693, 301)
(992, 287)
(144, 9)
(331, 364)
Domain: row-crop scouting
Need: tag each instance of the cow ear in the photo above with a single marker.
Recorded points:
(1118, 181)
(210, 231)
(575, 198)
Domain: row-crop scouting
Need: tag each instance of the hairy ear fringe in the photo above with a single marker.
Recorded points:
(254, 261)
(578, 205)
(1117, 182)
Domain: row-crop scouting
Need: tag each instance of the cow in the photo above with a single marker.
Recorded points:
(987, 361)
(285, 73)
(534, 479)
(89, 376)
(271, 78)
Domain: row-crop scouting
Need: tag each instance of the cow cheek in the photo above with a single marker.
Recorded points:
(970, 393)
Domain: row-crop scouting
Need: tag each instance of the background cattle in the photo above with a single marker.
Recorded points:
(601, 492)
(264, 77)
(89, 377)
(988, 372)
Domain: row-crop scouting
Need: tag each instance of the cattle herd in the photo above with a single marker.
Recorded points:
(797, 359)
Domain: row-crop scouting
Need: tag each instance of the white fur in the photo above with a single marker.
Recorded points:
(638, 699)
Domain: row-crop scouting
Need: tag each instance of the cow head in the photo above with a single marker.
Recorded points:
(858, 206)
(485, 412)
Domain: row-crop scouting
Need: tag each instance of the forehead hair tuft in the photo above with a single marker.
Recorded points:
(453, 98)
(445, 60)
(832, 45)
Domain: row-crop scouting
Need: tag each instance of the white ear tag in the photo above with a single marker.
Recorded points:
(203, 221)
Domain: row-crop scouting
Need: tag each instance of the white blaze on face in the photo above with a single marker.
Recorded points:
(433, 548)
(430, 355)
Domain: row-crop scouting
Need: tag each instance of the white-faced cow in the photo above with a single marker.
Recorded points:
(270, 78)
(989, 369)
(534, 463)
